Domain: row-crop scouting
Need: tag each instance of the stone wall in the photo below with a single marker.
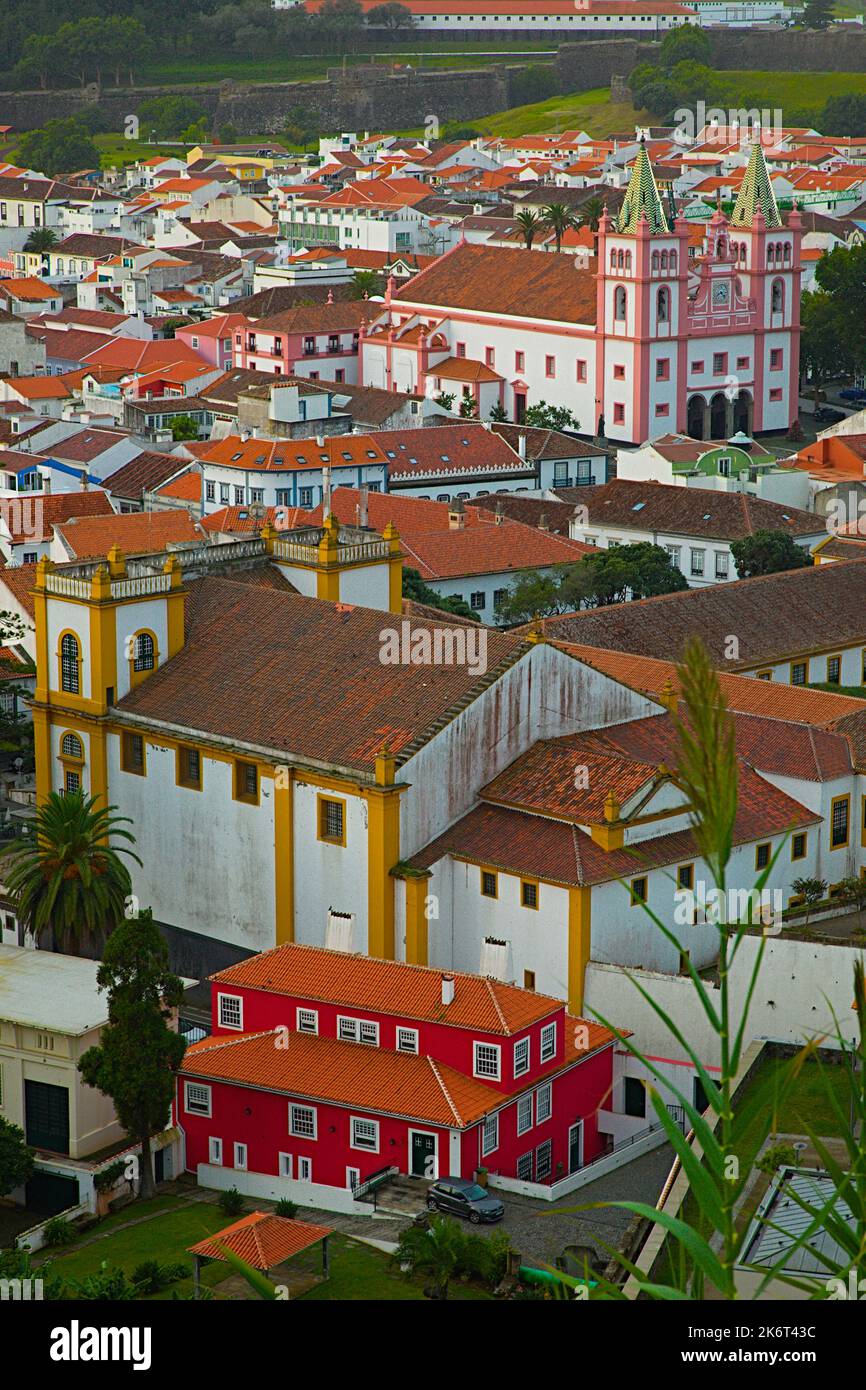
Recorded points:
(374, 96)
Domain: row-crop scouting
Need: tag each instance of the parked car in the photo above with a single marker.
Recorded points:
(463, 1197)
(825, 415)
(855, 394)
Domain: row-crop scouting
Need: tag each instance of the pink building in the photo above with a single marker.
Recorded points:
(328, 1068)
(317, 341)
(213, 339)
(636, 341)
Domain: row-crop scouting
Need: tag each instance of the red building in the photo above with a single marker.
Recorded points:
(327, 1068)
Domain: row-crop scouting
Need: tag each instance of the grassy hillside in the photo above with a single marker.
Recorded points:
(595, 113)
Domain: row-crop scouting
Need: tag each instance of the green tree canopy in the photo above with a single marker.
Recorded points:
(138, 1052)
(842, 274)
(60, 147)
(68, 882)
(184, 427)
(686, 41)
(16, 1160)
(768, 552)
(391, 15)
(415, 589)
(551, 417)
(166, 117)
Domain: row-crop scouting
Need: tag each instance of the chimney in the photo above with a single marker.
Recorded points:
(447, 989)
(363, 511)
(46, 483)
(499, 513)
(326, 491)
(320, 441)
(521, 446)
(543, 523)
(456, 515)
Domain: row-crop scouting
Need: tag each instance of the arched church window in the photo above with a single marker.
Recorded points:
(619, 303)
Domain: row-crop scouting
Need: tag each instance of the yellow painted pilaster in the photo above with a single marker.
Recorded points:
(174, 608)
(284, 855)
(395, 569)
(42, 753)
(383, 852)
(40, 604)
(328, 585)
(96, 781)
(579, 944)
(416, 919)
(103, 642)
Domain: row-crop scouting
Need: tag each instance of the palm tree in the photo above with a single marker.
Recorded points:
(591, 213)
(530, 224)
(41, 239)
(67, 882)
(438, 1249)
(558, 219)
(364, 284)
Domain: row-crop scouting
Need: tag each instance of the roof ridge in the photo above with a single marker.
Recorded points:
(495, 1002)
(218, 1043)
(446, 1093)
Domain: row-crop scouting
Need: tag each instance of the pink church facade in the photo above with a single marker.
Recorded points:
(637, 342)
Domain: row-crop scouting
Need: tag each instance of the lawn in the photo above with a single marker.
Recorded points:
(856, 692)
(591, 111)
(595, 113)
(806, 1106)
(358, 1272)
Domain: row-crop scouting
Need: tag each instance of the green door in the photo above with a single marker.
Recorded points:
(46, 1110)
(423, 1156)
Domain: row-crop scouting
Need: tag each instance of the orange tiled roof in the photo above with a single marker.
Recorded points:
(262, 1239)
(343, 1073)
(518, 283)
(136, 533)
(390, 987)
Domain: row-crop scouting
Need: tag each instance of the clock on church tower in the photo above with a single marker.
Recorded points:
(721, 294)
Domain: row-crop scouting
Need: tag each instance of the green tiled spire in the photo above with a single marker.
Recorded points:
(642, 199)
(756, 191)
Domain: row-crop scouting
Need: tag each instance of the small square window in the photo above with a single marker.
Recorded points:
(302, 1121)
(686, 876)
(246, 782)
(231, 1011)
(132, 754)
(189, 768)
(529, 979)
(762, 855)
(489, 886)
(798, 846)
(308, 1021)
(407, 1039)
(618, 413)
(638, 890)
(487, 1060)
(478, 600)
(332, 821)
(799, 673)
(529, 894)
(834, 670)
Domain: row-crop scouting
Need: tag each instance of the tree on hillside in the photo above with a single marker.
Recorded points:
(843, 115)
(301, 127)
(41, 60)
(530, 224)
(165, 117)
(125, 44)
(768, 552)
(59, 147)
(67, 881)
(415, 589)
(390, 16)
(138, 1052)
(16, 1160)
(558, 219)
(686, 41)
(817, 14)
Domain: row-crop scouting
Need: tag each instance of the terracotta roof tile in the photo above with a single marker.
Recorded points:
(689, 511)
(390, 987)
(262, 1239)
(311, 684)
(137, 533)
(502, 281)
(775, 616)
